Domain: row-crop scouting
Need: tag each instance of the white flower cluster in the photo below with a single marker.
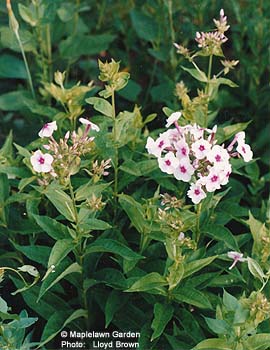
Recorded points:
(190, 154)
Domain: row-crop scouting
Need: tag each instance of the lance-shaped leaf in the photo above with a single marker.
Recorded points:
(162, 315)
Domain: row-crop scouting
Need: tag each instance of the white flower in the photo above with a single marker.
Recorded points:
(213, 179)
(92, 125)
(173, 118)
(245, 151)
(240, 137)
(47, 130)
(218, 155)
(168, 163)
(182, 149)
(196, 193)
(42, 163)
(156, 147)
(236, 257)
(201, 148)
(184, 170)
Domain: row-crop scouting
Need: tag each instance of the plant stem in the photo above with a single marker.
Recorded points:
(207, 86)
(197, 230)
(116, 160)
(49, 49)
(172, 32)
(73, 201)
(26, 65)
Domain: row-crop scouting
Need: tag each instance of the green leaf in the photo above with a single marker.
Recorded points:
(228, 132)
(78, 45)
(9, 40)
(162, 315)
(196, 73)
(13, 101)
(213, 344)
(59, 251)
(112, 246)
(255, 269)
(217, 326)
(101, 105)
(230, 302)
(115, 302)
(145, 26)
(55, 277)
(87, 190)
(28, 15)
(191, 267)
(12, 67)
(57, 322)
(52, 227)
(131, 91)
(223, 81)
(176, 272)
(192, 296)
(221, 233)
(95, 224)
(258, 342)
(190, 324)
(151, 281)
(36, 253)
(3, 306)
(135, 213)
(62, 202)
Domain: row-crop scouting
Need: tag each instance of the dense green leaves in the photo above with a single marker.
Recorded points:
(162, 315)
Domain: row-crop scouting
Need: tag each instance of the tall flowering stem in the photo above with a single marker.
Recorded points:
(14, 25)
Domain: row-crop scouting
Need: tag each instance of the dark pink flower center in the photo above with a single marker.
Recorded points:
(218, 158)
(201, 148)
(243, 149)
(41, 160)
(214, 178)
(183, 169)
(184, 151)
(197, 192)
(168, 162)
(161, 144)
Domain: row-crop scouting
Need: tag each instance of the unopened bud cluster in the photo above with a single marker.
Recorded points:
(62, 158)
(190, 153)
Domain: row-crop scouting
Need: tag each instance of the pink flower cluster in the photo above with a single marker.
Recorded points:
(190, 153)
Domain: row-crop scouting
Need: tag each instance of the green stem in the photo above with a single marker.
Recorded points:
(208, 85)
(116, 160)
(13, 270)
(49, 49)
(172, 33)
(197, 230)
(73, 201)
(26, 64)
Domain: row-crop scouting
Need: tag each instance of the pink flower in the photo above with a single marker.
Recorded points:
(236, 257)
(201, 148)
(173, 118)
(42, 163)
(245, 151)
(168, 163)
(184, 170)
(89, 124)
(47, 130)
(196, 193)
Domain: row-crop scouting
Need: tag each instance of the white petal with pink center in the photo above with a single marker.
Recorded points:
(173, 118)
(168, 163)
(182, 149)
(184, 170)
(156, 147)
(218, 155)
(245, 151)
(47, 129)
(236, 257)
(240, 137)
(42, 163)
(201, 148)
(196, 193)
(213, 180)
(225, 174)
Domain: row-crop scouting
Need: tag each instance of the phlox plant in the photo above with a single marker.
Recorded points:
(111, 226)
